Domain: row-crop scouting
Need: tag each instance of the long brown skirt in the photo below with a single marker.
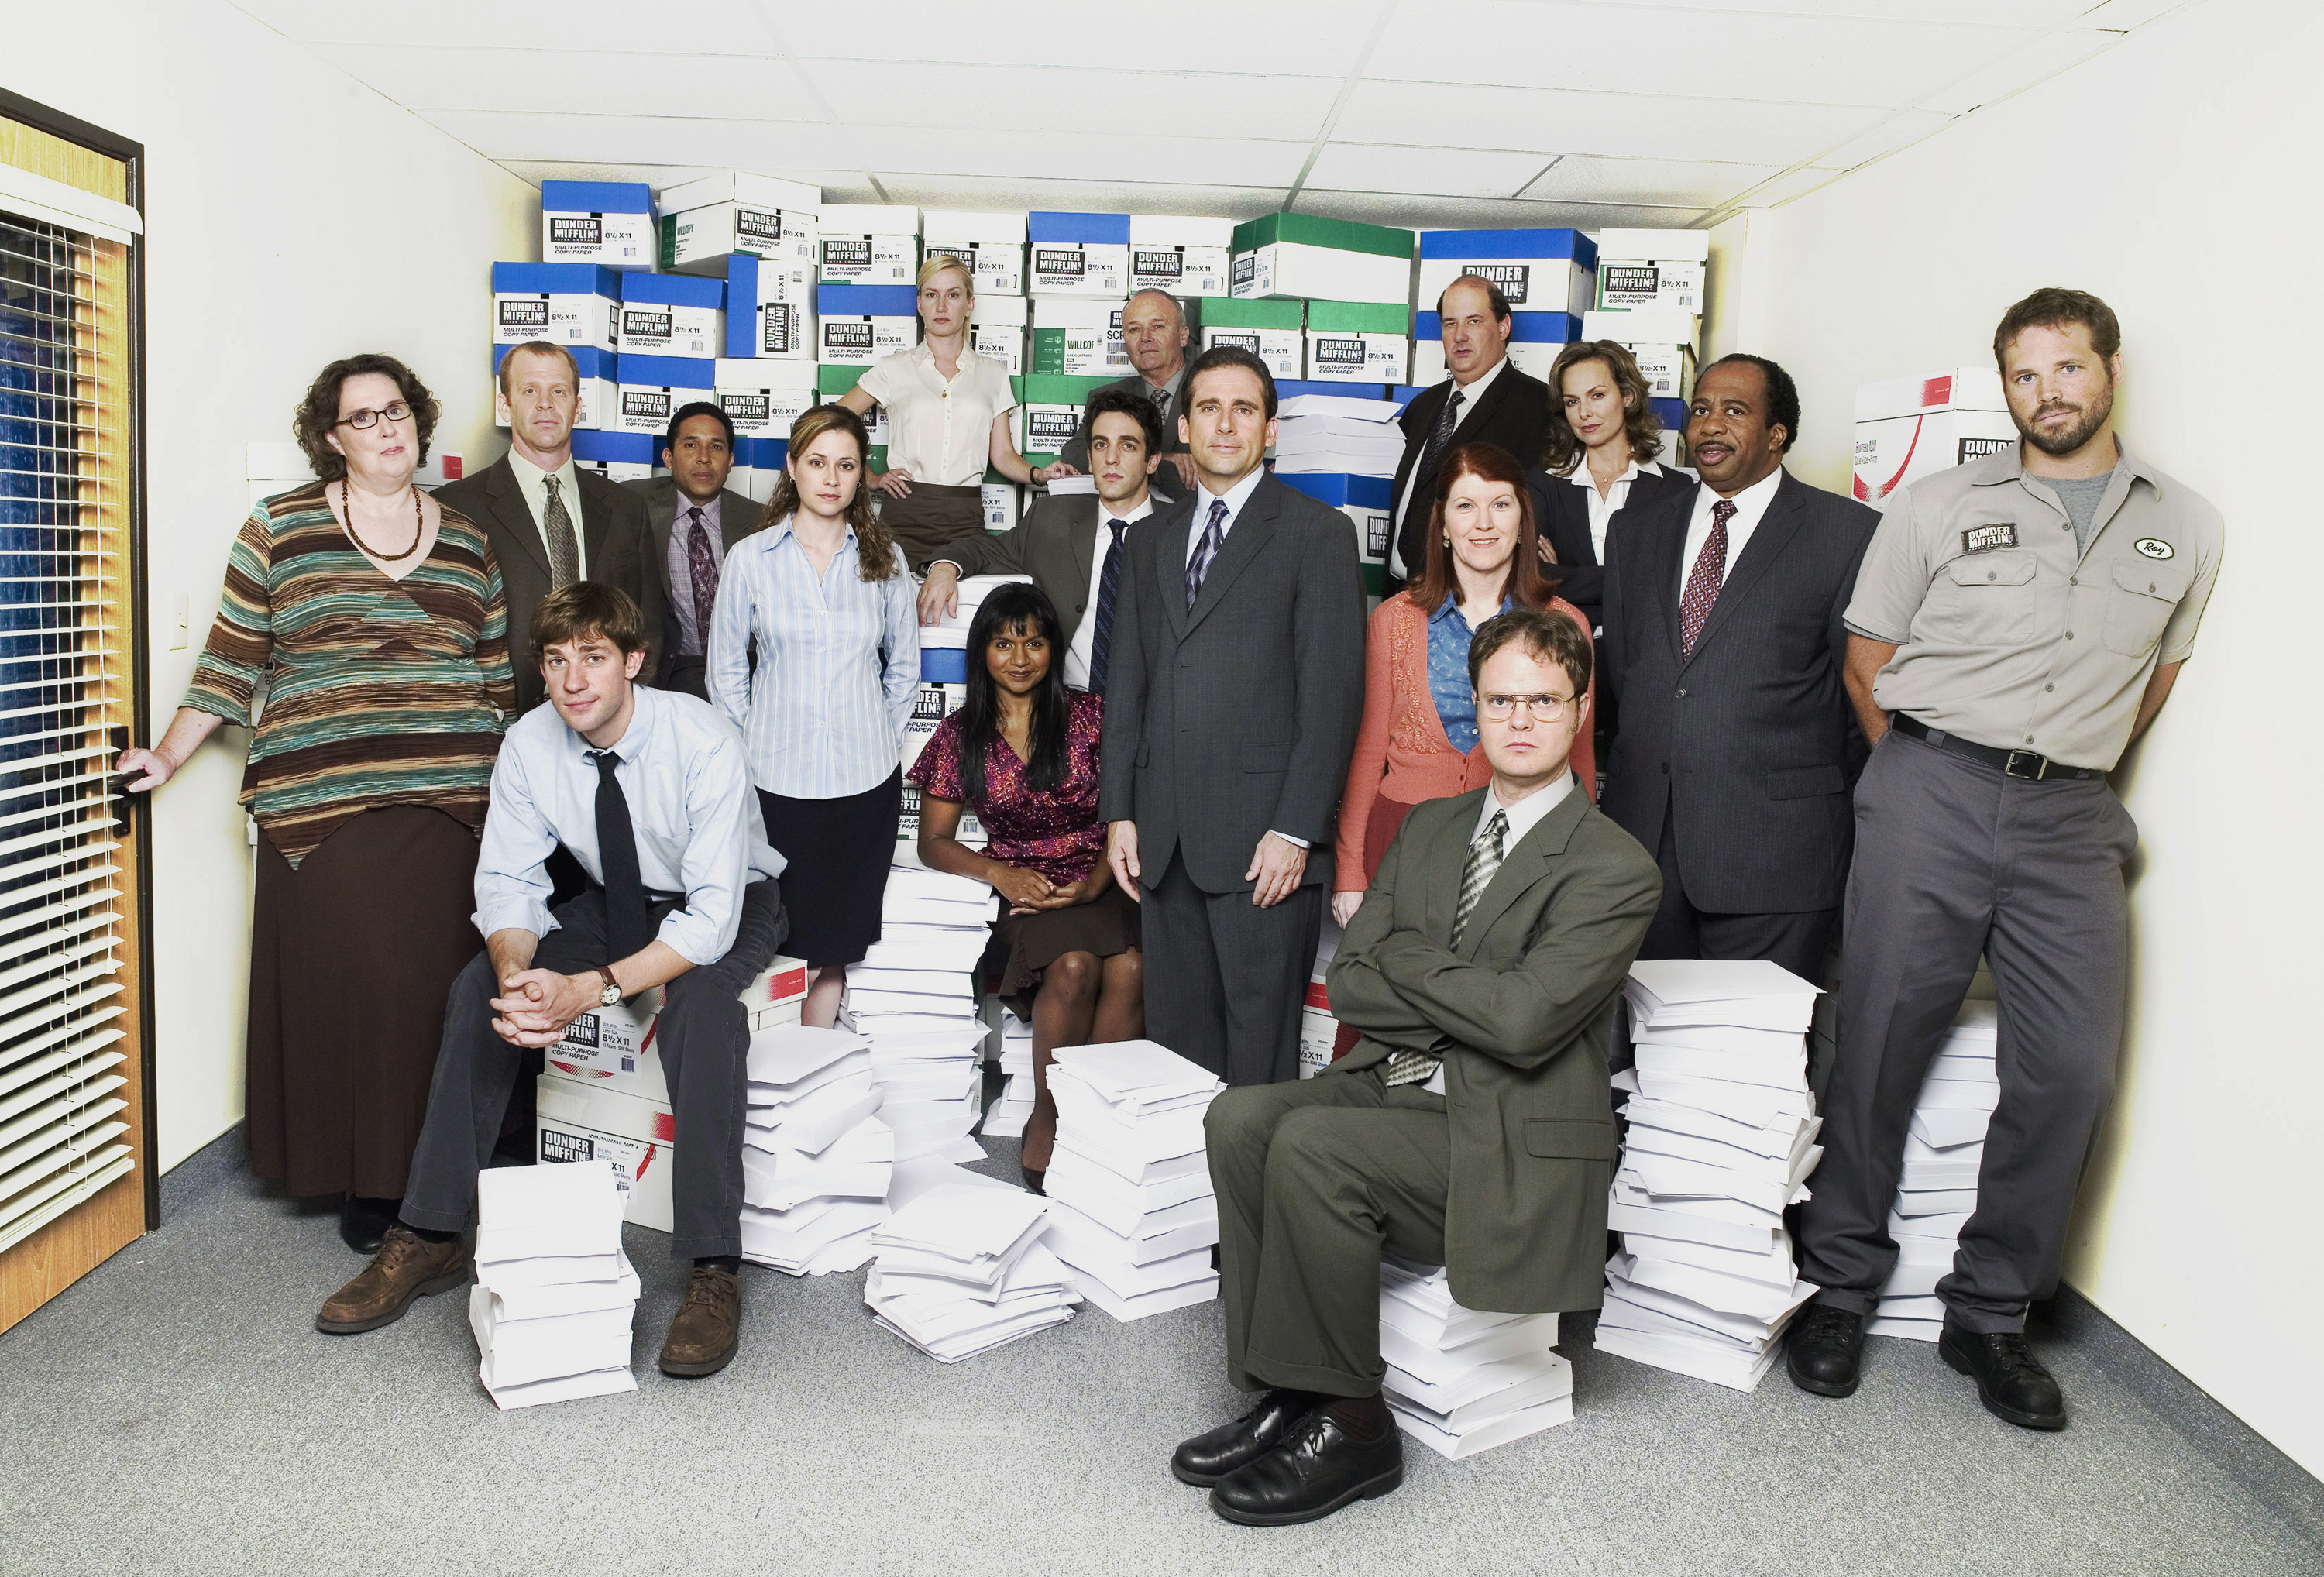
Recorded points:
(352, 956)
(927, 517)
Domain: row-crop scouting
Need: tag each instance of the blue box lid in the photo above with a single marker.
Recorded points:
(1284, 388)
(1340, 490)
(555, 279)
(845, 301)
(593, 362)
(621, 448)
(1406, 394)
(943, 665)
(596, 197)
(1078, 229)
(673, 289)
(1672, 414)
(669, 371)
(765, 454)
(1525, 328)
(1456, 244)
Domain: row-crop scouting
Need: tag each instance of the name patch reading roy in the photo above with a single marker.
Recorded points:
(1985, 538)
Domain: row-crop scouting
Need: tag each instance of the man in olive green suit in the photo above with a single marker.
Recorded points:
(1470, 1127)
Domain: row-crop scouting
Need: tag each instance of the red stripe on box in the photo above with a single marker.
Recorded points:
(578, 1071)
(665, 1127)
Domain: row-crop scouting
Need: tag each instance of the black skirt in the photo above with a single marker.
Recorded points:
(838, 854)
(1028, 944)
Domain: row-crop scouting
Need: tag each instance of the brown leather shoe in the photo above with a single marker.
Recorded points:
(407, 1266)
(708, 1327)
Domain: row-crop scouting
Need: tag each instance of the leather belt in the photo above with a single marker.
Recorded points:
(2027, 764)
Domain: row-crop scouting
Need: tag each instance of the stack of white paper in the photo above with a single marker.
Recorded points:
(960, 1269)
(1460, 1381)
(1130, 1207)
(1338, 434)
(913, 998)
(1014, 1108)
(554, 1293)
(1943, 1150)
(1721, 1139)
(952, 629)
(816, 1160)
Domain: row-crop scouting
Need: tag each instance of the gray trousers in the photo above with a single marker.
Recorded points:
(1314, 1177)
(1952, 859)
(703, 1040)
(1225, 980)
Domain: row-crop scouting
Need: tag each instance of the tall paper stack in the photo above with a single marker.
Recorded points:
(1943, 1150)
(1460, 1381)
(1338, 433)
(553, 1294)
(816, 1157)
(1721, 1139)
(960, 1269)
(1131, 1208)
(914, 997)
(1014, 1108)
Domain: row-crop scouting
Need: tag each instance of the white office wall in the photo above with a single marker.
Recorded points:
(2165, 176)
(292, 216)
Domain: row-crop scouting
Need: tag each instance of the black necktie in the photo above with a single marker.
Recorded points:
(629, 919)
(1108, 587)
(1439, 437)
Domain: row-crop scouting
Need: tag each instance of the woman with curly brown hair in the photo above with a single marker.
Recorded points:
(371, 617)
(815, 654)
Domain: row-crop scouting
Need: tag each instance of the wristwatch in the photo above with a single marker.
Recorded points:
(611, 993)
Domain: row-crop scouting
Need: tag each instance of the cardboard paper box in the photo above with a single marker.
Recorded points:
(731, 213)
(652, 388)
(1539, 271)
(575, 1123)
(1274, 331)
(618, 456)
(769, 312)
(1653, 267)
(1294, 256)
(613, 1048)
(564, 303)
(1184, 257)
(1358, 342)
(610, 223)
(1076, 338)
(763, 398)
(991, 245)
(1678, 245)
(1053, 406)
(599, 378)
(1910, 427)
(856, 325)
(833, 381)
(997, 328)
(1078, 254)
(1661, 338)
(1001, 506)
(1366, 500)
(672, 315)
(868, 243)
(1535, 340)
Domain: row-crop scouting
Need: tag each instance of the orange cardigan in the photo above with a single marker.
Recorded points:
(1401, 750)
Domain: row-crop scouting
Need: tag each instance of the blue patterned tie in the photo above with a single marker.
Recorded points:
(1205, 551)
(1108, 587)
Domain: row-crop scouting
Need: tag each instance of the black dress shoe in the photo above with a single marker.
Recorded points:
(364, 1222)
(1204, 1459)
(1318, 1469)
(1826, 1352)
(2010, 1380)
(1033, 1179)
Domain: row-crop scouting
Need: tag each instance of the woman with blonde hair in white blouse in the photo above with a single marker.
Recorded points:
(948, 420)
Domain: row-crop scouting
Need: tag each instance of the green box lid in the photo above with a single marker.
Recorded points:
(1309, 230)
(1226, 312)
(1057, 389)
(832, 381)
(1360, 317)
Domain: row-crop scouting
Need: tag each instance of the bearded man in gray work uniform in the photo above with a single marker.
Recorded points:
(2020, 619)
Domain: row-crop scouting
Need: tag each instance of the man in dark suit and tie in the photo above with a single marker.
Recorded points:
(1058, 541)
(550, 522)
(1235, 685)
(1470, 1127)
(698, 454)
(1154, 336)
(1485, 400)
(1725, 652)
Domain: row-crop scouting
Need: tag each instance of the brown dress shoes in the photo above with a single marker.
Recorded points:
(708, 1327)
(406, 1266)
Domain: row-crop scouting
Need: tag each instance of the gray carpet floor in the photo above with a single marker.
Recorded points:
(176, 1411)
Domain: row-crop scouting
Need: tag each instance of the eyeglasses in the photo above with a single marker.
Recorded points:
(1541, 708)
(397, 411)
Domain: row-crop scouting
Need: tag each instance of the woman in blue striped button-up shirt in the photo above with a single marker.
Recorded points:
(822, 702)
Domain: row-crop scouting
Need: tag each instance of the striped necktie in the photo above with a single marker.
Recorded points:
(556, 531)
(1413, 1067)
(1704, 581)
(1214, 533)
(1109, 590)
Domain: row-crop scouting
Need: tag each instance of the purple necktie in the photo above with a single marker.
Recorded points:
(702, 568)
(1702, 582)
(1206, 550)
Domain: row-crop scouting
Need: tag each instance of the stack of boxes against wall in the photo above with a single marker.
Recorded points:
(1649, 298)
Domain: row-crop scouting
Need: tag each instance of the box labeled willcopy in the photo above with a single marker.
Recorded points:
(1078, 338)
(610, 223)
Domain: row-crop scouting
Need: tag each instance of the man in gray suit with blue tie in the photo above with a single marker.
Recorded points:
(1234, 691)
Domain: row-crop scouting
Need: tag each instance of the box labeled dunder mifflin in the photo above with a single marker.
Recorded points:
(613, 1048)
(1653, 267)
(705, 221)
(1184, 257)
(997, 327)
(1273, 331)
(1358, 342)
(868, 243)
(1053, 407)
(1535, 340)
(575, 1122)
(1910, 427)
(672, 315)
(1078, 254)
(652, 388)
(610, 223)
(768, 313)
(599, 378)
(1300, 256)
(763, 398)
(1539, 271)
(1662, 338)
(992, 245)
(563, 303)
(856, 325)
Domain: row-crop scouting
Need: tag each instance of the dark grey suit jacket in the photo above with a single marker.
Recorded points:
(1513, 413)
(1238, 717)
(1748, 743)
(1056, 543)
(615, 544)
(738, 517)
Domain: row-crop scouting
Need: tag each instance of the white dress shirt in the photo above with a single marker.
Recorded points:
(939, 430)
(529, 480)
(697, 821)
(1749, 505)
(1524, 816)
(1601, 509)
(1077, 653)
(1471, 393)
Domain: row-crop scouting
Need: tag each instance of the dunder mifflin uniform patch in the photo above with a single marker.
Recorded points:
(1985, 538)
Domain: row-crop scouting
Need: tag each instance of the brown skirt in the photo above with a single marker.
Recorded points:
(1105, 926)
(352, 956)
(929, 517)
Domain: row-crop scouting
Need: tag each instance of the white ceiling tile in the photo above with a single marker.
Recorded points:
(1551, 121)
(1014, 98)
(2020, 69)
(1446, 213)
(1462, 173)
(839, 185)
(1068, 155)
(708, 27)
(1008, 194)
(2122, 15)
(607, 139)
(1978, 13)
(436, 77)
(1313, 38)
(1674, 181)
(1807, 59)
(1903, 129)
